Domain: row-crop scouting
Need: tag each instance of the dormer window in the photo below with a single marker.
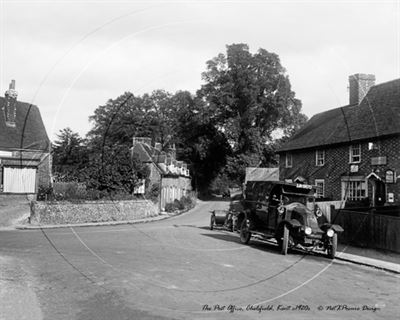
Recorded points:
(355, 153)
(289, 160)
(320, 158)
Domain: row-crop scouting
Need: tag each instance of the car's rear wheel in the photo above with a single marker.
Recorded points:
(245, 233)
(285, 240)
(212, 222)
(332, 247)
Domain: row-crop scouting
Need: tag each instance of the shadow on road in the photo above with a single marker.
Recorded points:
(266, 246)
(263, 245)
(254, 243)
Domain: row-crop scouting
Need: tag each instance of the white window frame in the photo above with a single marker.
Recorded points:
(317, 154)
(351, 153)
(288, 164)
(354, 188)
(320, 194)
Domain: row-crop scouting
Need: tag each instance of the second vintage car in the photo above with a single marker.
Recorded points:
(286, 212)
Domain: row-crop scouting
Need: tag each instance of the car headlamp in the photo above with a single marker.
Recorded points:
(281, 209)
(307, 230)
(330, 233)
(318, 212)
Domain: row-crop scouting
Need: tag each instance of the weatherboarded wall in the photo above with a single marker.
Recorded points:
(62, 212)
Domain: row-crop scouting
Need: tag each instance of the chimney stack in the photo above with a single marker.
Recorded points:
(158, 146)
(11, 104)
(142, 140)
(359, 84)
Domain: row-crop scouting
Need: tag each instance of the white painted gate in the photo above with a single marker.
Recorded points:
(19, 180)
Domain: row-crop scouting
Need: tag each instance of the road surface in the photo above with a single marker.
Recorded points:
(178, 269)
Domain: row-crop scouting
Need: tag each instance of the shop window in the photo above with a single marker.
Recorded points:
(354, 188)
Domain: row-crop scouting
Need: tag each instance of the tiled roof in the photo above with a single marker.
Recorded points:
(29, 131)
(377, 115)
(140, 151)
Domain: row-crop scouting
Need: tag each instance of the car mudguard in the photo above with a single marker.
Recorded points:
(337, 228)
(334, 227)
(294, 223)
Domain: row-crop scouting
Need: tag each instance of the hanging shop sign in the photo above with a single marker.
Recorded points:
(390, 176)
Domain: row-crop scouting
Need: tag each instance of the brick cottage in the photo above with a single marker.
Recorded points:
(352, 152)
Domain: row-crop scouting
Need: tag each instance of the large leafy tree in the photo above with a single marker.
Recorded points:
(199, 142)
(151, 115)
(249, 99)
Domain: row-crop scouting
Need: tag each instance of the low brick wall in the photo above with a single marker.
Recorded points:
(63, 212)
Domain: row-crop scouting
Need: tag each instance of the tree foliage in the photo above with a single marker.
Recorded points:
(69, 155)
(103, 167)
(230, 123)
(249, 99)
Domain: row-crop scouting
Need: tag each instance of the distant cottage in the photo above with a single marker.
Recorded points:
(172, 176)
(24, 146)
(352, 152)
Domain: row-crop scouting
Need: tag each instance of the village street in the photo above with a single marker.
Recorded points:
(178, 269)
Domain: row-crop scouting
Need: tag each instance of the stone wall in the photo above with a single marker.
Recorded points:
(63, 212)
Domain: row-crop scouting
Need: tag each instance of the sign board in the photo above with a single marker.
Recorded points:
(354, 168)
(5, 154)
(376, 161)
(389, 176)
(303, 186)
(390, 197)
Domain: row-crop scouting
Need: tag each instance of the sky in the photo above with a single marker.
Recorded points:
(69, 57)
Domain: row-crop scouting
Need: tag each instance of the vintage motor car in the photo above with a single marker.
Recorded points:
(281, 211)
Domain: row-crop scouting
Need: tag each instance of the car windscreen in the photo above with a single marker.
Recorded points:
(293, 193)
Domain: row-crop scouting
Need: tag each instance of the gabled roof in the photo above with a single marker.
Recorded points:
(141, 152)
(149, 154)
(29, 131)
(377, 115)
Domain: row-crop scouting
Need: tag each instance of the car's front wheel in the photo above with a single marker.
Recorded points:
(285, 240)
(332, 247)
(245, 233)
